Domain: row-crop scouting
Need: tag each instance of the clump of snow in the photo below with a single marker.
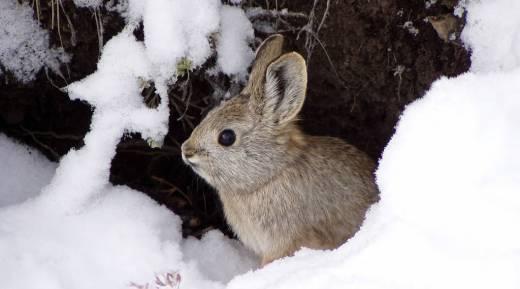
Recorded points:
(19, 161)
(429, 4)
(177, 29)
(492, 32)
(460, 8)
(119, 6)
(408, 25)
(24, 45)
(114, 91)
(88, 3)
(236, 33)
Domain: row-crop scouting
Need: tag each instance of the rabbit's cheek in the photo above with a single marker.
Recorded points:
(199, 170)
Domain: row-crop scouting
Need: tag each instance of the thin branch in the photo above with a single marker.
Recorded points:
(54, 154)
(256, 13)
(53, 135)
(173, 188)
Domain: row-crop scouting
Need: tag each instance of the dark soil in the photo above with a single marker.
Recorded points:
(357, 95)
(367, 43)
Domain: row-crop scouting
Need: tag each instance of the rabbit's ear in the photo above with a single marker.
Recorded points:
(266, 53)
(285, 86)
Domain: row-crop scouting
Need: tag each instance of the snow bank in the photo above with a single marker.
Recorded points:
(24, 45)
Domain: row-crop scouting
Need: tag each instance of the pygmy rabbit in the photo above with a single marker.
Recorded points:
(281, 189)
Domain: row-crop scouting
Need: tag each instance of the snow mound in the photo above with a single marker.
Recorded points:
(24, 45)
(454, 151)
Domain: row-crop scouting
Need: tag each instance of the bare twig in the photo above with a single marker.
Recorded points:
(36, 3)
(312, 30)
(173, 188)
(398, 71)
(54, 154)
(69, 22)
(53, 134)
(99, 28)
(257, 12)
(186, 95)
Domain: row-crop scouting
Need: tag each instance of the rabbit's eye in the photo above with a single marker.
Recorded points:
(227, 137)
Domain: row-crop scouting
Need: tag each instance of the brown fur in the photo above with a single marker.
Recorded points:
(281, 189)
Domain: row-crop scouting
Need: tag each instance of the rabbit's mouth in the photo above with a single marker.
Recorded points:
(189, 163)
(196, 168)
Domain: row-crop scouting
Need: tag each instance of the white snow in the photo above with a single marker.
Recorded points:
(88, 3)
(408, 25)
(460, 8)
(429, 4)
(449, 181)
(179, 28)
(236, 33)
(214, 246)
(19, 160)
(492, 33)
(24, 45)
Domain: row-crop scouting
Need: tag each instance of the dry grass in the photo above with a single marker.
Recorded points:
(57, 12)
(170, 280)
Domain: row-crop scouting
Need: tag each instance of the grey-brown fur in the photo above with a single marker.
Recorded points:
(281, 189)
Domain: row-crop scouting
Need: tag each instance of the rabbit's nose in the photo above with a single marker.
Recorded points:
(188, 151)
(189, 154)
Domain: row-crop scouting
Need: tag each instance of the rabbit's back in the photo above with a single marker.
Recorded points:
(319, 200)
